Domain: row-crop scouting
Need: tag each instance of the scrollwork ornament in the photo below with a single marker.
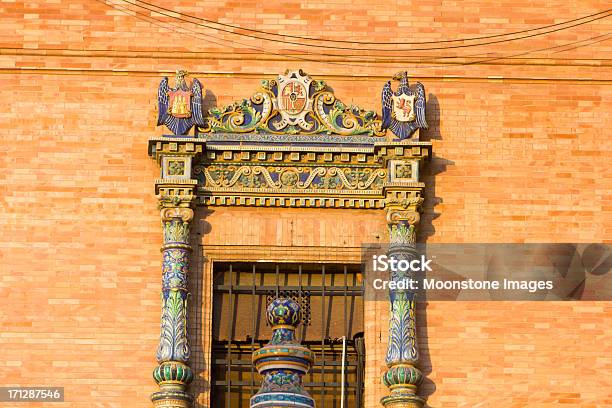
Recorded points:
(233, 176)
(294, 103)
(404, 203)
(395, 216)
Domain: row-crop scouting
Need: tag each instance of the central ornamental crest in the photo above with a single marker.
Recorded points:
(293, 101)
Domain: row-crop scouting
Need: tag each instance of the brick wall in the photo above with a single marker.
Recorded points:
(521, 152)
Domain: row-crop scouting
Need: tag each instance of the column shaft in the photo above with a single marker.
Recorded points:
(173, 373)
(402, 376)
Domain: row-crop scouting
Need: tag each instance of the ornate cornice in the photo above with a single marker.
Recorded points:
(293, 171)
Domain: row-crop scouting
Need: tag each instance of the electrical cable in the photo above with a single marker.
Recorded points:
(127, 11)
(606, 13)
(207, 37)
(369, 42)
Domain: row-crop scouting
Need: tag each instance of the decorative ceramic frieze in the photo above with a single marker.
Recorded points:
(281, 177)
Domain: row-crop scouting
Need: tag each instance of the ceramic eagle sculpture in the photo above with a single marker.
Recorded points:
(180, 107)
(404, 110)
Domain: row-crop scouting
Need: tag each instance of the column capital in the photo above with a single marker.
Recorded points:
(169, 213)
(175, 195)
(403, 209)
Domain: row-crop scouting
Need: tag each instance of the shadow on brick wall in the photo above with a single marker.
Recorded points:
(209, 101)
(199, 291)
(437, 166)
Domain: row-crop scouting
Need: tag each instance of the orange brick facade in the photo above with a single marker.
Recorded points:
(521, 152)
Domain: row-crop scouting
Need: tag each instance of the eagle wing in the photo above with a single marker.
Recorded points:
(387, 105)
(419, 106)
(162, 101)
(196, 103)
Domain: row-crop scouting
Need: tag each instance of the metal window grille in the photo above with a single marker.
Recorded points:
(331, 297)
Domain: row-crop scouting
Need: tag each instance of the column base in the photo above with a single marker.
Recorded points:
(173, 377)
(402, 401)
(402, 380)
(171, 399)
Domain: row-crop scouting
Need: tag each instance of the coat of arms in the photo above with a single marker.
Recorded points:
(293, 101)
(180, 107)
(404, 110)
(293, 97)
(179, 104)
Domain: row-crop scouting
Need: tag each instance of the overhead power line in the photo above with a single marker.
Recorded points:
(599, 17)
(219, 40)
(236, 27)
(597, 37)
(208, 37)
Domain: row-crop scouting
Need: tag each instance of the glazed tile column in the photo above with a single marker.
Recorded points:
(402, 376)
(176, 192)
(173, 374)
